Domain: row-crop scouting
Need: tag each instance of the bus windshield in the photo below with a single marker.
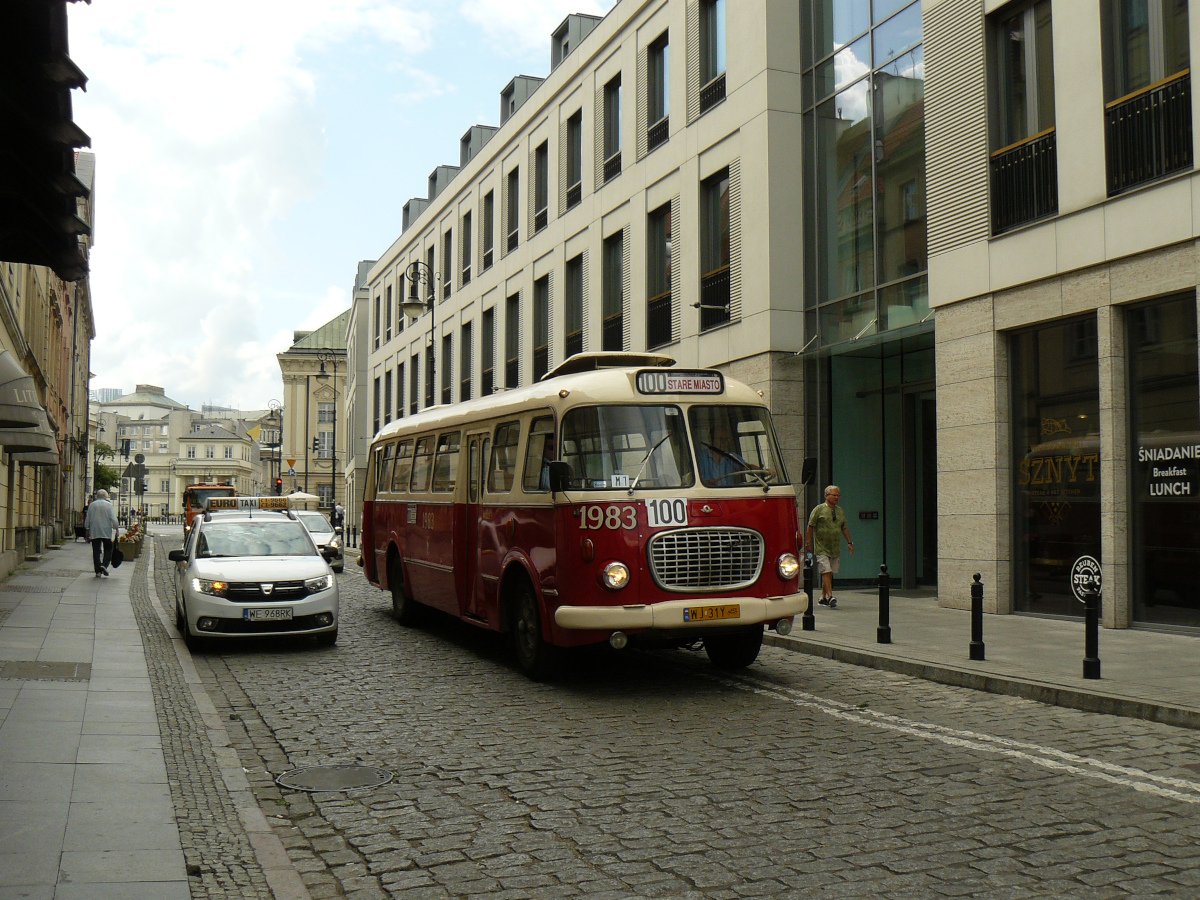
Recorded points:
(735, 446)
(643, 447)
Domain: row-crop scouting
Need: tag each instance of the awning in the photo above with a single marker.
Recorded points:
(44, 458)
(19, 407)
(29, 440)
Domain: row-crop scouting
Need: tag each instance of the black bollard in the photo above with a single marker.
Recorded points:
(1091, 638)
(883, 634)
(807, 621)
(977, 618)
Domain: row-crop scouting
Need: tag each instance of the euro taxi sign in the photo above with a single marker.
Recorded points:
(699, 381)
(215, 503)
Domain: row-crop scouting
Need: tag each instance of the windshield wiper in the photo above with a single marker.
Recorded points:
(662, 440)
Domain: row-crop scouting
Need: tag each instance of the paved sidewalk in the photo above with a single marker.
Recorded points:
(1145, 674)
(85, 806)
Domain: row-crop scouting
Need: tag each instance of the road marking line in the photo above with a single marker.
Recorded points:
(1047, 757)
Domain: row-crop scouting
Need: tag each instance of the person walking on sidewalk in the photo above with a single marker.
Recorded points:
(101, 528)
(826, 527)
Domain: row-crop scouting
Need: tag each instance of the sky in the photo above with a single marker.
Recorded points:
(250, 153)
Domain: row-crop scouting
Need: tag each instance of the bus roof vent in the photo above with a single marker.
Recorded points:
(607, 359)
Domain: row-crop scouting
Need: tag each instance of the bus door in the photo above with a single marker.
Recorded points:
(477, 451)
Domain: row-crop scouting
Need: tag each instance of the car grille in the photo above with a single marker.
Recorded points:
(251, 592)
(705, 559)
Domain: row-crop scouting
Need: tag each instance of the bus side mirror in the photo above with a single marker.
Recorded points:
(808, 472)
(560, 476)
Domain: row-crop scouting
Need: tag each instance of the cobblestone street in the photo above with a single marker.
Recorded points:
(652, 775)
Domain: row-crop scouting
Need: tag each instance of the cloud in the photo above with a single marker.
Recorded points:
(518, 28)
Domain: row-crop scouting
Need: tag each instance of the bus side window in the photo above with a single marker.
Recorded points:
(539, 451)
(385, 467)
(445, 467)
(403, 467)
(473, 471)
(504, 458)
(422, 465)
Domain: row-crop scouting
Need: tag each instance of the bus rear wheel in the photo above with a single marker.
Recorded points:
(535, 657)
(404, 607)
(734, 651)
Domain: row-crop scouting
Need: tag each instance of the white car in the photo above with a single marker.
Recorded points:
(253, 573)
(326, 536)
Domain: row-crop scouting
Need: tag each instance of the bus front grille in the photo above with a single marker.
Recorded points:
(705, 559)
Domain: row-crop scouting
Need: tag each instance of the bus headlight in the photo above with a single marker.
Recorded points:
(789, 566)
(615, 576)
(204, 586)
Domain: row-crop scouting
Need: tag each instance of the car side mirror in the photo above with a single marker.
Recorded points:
(808, 472)
(560, 476)
(339, 529)
(177, 555)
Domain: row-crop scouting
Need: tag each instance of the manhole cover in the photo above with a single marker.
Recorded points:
(334, 778)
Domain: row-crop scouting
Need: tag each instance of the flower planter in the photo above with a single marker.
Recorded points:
(130, 549)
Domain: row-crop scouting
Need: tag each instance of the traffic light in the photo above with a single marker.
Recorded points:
(278, 485)
(125, 447)
(316, 445)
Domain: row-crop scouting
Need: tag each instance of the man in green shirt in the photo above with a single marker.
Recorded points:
(826, 526)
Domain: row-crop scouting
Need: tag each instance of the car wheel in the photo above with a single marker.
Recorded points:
(535, 657)
(190, 639)
(734, 651)
(404, 607)
(328, 639)
(339, 569)
(179, 620)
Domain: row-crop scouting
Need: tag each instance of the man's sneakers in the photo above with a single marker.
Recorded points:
(104, 572)
(831, 602)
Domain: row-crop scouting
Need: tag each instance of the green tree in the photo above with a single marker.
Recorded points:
(105, 477)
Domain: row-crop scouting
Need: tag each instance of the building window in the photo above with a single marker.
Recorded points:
(1024, 166)
(375, 407)
(378, 319)
(399, 391)
(464, 238)
(541, 327)
(447, 368)
(487, 353)
(1147, 86)
(229, 453)
(325, 413)
(430, 372)
(210, 452)
(414, 386)
(714, 251)
(387, 397)
(191, 452)
(573, 307)
(659, 312)
(489, 228)
(1056, 463)
(712, 53)
(541, 186)
(512, 226)
(164, 486)
(613, 333)
(612, 129)
(430, 259)
(659, 93)
(447, 262)
(466, 362)
(325, 495)
(574, 159)
(512, 341)
(1164, 399)
(388, 315)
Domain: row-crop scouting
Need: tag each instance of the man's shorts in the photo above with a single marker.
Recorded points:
(827, 563)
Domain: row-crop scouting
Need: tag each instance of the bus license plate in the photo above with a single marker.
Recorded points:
(267, 615)
(707, 613)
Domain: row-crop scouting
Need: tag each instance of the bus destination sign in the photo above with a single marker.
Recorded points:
(657, 381)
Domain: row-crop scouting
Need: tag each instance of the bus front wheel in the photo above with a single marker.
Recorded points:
(404, 607)
(534, 656)
(734, 651)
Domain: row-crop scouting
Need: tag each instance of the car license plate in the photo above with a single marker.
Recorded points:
(267, 615)
(707, 613)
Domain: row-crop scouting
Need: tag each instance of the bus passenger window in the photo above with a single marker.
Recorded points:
(403, 467)
(384, 478)
(504, 458)
(539, 452)
(422, 465)
(445, 469)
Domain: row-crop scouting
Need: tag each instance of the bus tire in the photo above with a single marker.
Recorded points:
(734, 651)
(404, 607)
(534, 656)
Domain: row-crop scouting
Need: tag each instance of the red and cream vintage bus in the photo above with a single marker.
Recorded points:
(617, 499)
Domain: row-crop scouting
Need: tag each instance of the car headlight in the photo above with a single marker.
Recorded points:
(318, 584)
(334, 545)
(615, 576)
(789, 566)
(215, 588)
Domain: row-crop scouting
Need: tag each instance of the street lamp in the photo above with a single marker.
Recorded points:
(324, 356)
(277, 412)
(420, 273)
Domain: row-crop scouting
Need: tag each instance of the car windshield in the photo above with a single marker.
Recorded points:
(315, 522)
(253, 538)
(735, 446)
(642, 447)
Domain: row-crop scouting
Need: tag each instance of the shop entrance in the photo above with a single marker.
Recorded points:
(873, 429)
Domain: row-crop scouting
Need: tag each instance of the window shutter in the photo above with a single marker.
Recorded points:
(735, 240)
(625, 320)
(562, 167)
(524, 326)
(549, 321)
(676, 269)
(643, 99)
(501, 233)
(531, 191)
(598, 172)
(693, 60)
(586, 281)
